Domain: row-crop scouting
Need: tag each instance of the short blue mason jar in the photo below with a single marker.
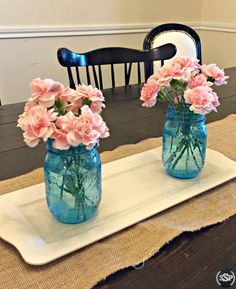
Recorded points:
(184, 143)
(73, 183)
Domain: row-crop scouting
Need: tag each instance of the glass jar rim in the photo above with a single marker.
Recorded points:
(186, 115)
(72, 150)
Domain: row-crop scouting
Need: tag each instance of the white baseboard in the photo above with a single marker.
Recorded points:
(220, 27)
(37, 32)
(75, 31)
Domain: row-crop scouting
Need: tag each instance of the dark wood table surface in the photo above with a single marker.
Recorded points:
(192, 260)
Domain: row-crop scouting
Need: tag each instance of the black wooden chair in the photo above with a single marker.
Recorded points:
(95, 59)
(186, 40)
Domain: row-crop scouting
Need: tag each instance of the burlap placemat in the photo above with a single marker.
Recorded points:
(84, 268)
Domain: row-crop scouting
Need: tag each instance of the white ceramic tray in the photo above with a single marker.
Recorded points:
(134, 188)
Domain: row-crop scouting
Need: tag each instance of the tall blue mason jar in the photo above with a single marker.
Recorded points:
(73, 183)
(184, 143)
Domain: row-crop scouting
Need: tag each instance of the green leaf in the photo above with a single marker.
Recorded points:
(183, 85)
(174, 84)
(60, 106)
(86, 101)
(161, 96)
(211, 79)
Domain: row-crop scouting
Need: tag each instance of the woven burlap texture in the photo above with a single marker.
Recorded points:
(84, 268)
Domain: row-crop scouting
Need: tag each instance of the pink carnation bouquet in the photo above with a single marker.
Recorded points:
(187, 88)
(69, 121)
(69, 117)
(184, 84)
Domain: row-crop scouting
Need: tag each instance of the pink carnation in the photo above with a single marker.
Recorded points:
(85, 129)
(198, 80)
(45, 92)
(149, 93)
(186, 62)
(67, 122)
(202, 99)
(87, 91)
(185, 66)
(93, 94)
(184, 81)
(215, 101)
(60, 141)
(36, 122)
(166, 73)
(76, 103)
(96, 106)
(213, 71)
(67, 94)
(29, 104)
(181, 68)
(76, 119)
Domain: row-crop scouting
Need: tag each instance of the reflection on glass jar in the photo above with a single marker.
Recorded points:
(73, 183)
(184, 143)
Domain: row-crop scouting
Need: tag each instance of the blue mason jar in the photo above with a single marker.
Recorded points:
(73, 183)
(184, 143)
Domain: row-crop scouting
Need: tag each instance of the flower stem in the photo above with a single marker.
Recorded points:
(179, 156)
(80, 198)
(194, 158)
(67, 165)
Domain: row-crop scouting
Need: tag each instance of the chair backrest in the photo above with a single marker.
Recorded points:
(186, 40)
(93, 60)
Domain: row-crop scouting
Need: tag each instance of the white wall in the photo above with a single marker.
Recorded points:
(32, 31)
(25, 59)
(30, 38)
(219, 47)
(28, 13)
(219, 12)
(218, 32)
